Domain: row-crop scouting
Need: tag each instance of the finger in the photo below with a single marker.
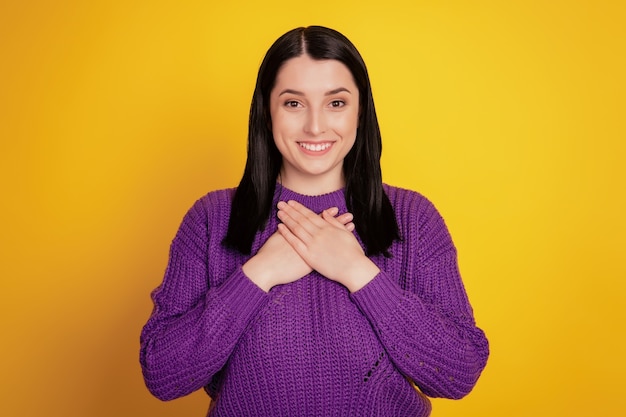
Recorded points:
(298, 245)
(334, 221)
(300, 225)
(305, 212)
(345, 218)
(298, 217)
(295, 227)
(332, 211)
(344, 222)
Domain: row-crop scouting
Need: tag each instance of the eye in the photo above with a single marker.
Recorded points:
(292, 104)
(337, 103)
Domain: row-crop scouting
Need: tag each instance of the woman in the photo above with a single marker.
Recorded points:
(313, 289)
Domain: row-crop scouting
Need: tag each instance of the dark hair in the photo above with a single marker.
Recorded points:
(365, 198)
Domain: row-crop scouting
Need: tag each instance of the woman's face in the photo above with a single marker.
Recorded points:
(314, 107)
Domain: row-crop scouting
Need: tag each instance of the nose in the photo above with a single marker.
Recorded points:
(315, 122)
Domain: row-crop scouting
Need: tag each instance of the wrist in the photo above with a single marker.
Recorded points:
(258, 275)
(361, 274)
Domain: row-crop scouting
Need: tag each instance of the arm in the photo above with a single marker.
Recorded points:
(426, 323)
(194, 328)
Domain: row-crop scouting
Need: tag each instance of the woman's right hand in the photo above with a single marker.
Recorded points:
(278, 263)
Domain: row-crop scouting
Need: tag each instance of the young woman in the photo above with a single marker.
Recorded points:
(313, 289)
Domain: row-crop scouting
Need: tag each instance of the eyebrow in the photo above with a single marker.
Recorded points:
(328, 93)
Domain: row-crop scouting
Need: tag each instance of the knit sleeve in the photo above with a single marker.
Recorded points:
(193, 327)
(423, 316)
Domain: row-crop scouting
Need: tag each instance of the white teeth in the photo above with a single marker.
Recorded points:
(315, 147)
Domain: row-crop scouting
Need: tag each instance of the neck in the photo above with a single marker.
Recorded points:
(311, 185)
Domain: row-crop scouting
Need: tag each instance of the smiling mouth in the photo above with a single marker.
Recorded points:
(315, 147)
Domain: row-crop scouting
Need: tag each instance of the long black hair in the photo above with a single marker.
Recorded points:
(374, 218)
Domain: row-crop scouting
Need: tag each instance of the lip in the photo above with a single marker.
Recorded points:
(315, 148)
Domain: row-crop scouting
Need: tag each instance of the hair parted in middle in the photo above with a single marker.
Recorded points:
(365, 197)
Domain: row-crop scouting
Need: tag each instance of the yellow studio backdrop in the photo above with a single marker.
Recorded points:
(116, 116)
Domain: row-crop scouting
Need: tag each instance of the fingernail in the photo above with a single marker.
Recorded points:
(280, 204)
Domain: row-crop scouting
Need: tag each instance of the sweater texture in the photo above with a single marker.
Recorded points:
(311, 348)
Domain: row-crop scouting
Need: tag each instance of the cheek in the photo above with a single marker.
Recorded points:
(350, 122)
(282, 125)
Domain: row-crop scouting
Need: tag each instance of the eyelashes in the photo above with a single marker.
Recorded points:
(334, 104)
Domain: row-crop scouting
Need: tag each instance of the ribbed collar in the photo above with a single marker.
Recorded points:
(316, 203)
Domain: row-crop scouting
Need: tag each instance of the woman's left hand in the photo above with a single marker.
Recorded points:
(325, 245)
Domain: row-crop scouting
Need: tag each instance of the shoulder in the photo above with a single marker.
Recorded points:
(217, 199)
(408, 202)
(419, 219)
(214, 204)
(207, 216)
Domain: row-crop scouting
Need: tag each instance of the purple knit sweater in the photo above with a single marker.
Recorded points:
(310, 348)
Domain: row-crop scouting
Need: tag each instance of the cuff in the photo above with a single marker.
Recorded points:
(379, 297)
(241, 296)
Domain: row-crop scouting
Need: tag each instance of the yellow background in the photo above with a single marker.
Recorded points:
(115, 116)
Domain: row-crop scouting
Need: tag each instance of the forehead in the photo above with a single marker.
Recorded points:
(304, 73)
